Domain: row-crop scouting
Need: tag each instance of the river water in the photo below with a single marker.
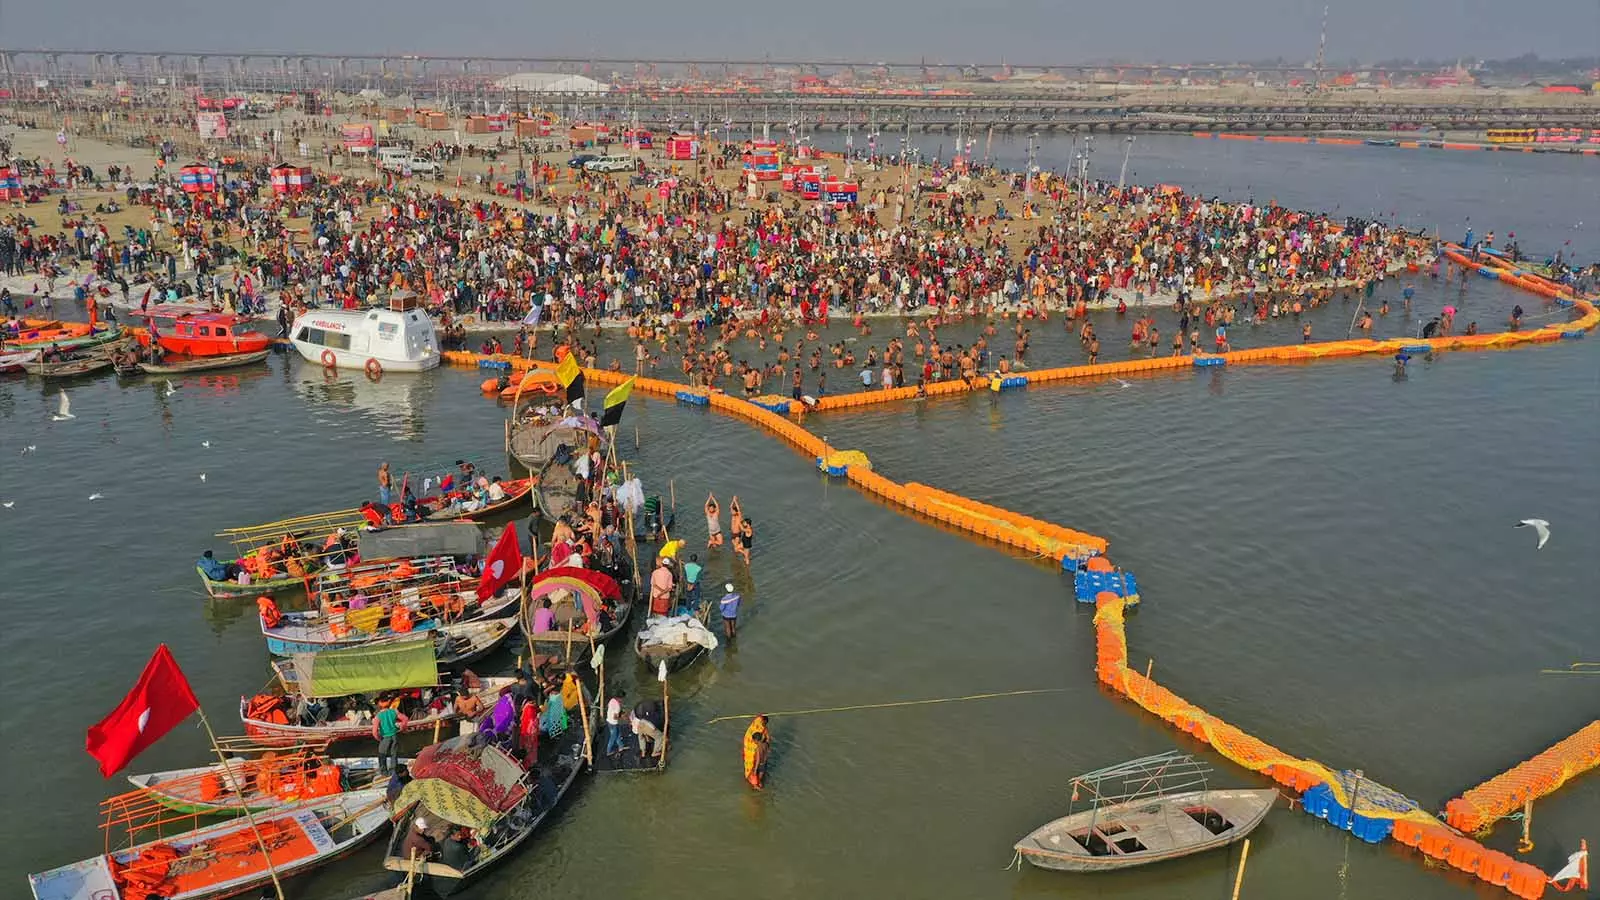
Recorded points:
(1325, 552)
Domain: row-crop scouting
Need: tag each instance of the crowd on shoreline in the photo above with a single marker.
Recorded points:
(701, 255)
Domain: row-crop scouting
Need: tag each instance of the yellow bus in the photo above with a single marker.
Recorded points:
(1511, 135)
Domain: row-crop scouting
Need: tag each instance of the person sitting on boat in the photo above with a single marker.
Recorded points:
(497, 491)
(544, 618)
(397, 783)
(54, 354)
(215, 569)
(419, 844)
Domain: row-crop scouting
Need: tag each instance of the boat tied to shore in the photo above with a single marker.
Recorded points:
(271, 780)
(1144, 811)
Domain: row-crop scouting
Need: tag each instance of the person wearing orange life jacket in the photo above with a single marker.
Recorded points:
(400, 619)
(267, 608)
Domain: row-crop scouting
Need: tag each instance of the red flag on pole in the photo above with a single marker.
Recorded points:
(503, 564)
(155, 706)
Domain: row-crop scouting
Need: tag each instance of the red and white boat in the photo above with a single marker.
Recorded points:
(190, 333)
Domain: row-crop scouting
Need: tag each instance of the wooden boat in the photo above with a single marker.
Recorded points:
(13, 361)
(69, 369)
(556, 491)
(269, 782)
(271, 547)
(1145, 811)
(225, 860)
(590, 607)
(313, 632)
(320, 689)
(486, 791)
(444, 507)
(534, 439)
(175, 365)
(677, 641)
(67, 336)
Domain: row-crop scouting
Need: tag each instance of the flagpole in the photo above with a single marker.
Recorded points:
(238, 791)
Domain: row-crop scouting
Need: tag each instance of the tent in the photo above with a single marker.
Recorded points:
(287, 179)
(198, 179)
(587, 585)
(10, 183)
(683, 146)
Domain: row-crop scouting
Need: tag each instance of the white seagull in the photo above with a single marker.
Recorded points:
(1540, 526)
(1122, 384)
(9, 503)
(63, 412)
(170, 389)
(206, 444)
(96, 496)
(202, 476)
(29, 449)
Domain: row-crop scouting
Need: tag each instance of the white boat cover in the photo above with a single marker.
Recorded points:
(676, 632)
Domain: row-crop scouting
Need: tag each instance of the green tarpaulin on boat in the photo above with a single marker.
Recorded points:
(364, 670)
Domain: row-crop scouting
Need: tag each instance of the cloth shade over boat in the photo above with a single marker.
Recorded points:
(409, 541)
(367, 669)
(676, 633)
(588, 585)
(472, 788)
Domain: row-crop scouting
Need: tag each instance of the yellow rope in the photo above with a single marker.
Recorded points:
(807, 712)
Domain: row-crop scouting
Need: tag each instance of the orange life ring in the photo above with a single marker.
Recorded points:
(374, 369)
(329, 361)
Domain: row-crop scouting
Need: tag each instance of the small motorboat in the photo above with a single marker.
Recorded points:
(1145, 811)
(225, 860)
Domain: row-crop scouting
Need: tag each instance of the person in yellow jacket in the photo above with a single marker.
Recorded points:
(756, 746)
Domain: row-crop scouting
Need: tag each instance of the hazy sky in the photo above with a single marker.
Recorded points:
(1026, 31)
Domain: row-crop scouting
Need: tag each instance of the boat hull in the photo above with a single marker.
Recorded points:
(231, 590)
(347, 359)
(360, 768)
(205, 363)
(1050, 847)
(353, 731)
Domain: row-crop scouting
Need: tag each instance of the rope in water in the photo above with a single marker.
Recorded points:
(807, 712)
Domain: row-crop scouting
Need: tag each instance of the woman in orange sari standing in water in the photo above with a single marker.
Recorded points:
(756, 748)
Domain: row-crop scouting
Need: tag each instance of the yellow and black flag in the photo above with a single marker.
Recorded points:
(615, 401)
(570, 374)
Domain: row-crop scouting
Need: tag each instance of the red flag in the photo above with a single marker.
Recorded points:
(154, 707)
(502, 564)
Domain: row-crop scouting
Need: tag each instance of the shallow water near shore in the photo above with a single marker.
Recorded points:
(1325, 553)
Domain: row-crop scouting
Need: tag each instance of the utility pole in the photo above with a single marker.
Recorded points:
(1122, 179)
(1322, 52)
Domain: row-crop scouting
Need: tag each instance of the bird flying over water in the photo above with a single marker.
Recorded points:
(1540, 526)
(9, 503)
(63, 411)
(1121, 383)
(206, 444)
(202, 476)
(170, 389)
(96, 496)
(29, 449)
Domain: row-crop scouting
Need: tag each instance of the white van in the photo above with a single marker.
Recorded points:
(610, 164)
(400, 160)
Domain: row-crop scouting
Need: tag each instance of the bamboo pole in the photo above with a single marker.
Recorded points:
(583, 714)
(238, 791)
(666, 718)
(1238, 880)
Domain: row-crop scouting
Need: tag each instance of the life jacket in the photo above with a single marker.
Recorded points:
(268, 610)
(210, 786)
(295, 567)
(404, 570)
(373, 516)
(266, 708)
(400, 620)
